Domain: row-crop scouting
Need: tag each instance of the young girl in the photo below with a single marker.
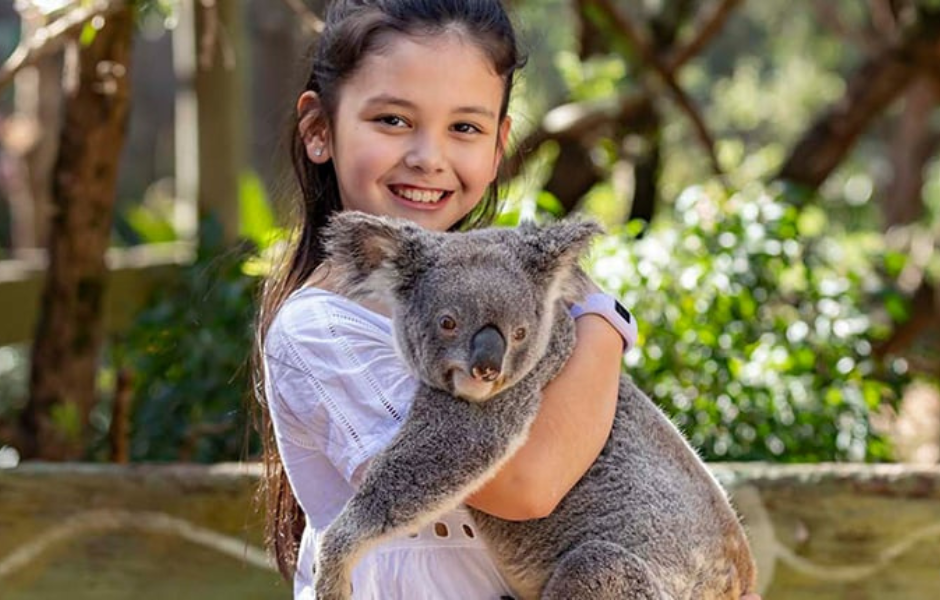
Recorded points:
(404, 114)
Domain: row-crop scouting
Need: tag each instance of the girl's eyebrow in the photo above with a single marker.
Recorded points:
(388, 99)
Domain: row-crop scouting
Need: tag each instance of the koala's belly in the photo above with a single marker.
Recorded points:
(647, 492)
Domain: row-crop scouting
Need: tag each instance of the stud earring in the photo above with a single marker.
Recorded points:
(318, 152)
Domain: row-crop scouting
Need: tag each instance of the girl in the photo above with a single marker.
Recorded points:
(404, 114)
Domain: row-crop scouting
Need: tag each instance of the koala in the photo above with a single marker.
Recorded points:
(482, 320)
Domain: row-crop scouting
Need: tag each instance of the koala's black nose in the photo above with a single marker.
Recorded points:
(486, 353)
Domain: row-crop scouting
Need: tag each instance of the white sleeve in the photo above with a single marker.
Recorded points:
(338, 386)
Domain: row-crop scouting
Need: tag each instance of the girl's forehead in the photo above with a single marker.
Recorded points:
(450, 59)
(453, 39)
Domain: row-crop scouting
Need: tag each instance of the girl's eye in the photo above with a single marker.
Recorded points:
(519, 334)
(466, 128)
(392, 120)
(448, 323)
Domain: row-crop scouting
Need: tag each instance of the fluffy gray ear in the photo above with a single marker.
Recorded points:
(551, 254)
(366, 251)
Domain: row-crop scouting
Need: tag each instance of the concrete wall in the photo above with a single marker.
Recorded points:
(77, 531)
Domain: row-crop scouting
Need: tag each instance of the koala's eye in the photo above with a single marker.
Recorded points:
(519, 334)
(447, 323)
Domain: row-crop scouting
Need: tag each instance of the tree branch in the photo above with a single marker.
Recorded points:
(632, 35)
(308, 20)
(712, 22)
(573, 121)
(53, 37)
(828, 15)
(871, 89)
(595, 116)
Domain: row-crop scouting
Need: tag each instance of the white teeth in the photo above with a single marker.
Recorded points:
(425, 196)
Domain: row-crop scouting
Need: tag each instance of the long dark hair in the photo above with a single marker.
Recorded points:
(354, 28)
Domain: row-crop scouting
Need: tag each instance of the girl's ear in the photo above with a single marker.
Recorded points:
(312, 126)
(501, 142)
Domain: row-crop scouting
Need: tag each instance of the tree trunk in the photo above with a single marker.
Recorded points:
(222, 120)
(647, 164)
(573, 175)
(69, 333)
(912, 146)
(275, 83)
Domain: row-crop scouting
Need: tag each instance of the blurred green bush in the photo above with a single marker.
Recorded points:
(188, 356)
(758, 323)
(188, 352)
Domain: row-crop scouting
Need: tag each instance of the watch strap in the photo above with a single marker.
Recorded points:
(615, 313)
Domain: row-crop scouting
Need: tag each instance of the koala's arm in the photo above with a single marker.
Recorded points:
(569, 432)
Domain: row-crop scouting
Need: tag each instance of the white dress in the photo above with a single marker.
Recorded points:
(337, 393)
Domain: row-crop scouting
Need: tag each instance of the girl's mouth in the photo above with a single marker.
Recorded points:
(420, 195)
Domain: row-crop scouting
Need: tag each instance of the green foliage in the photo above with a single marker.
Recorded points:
(14, 376)
(188, 353)
(257, 223)
(188, 350)
(757, 326)
(151, 220)
(593, 78)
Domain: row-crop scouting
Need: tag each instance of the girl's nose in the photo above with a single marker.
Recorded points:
(425, 155)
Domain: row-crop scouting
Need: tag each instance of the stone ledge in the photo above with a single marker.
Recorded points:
(830, 531)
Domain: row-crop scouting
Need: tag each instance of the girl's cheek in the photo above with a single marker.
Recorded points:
(486, 160)
(370, 159)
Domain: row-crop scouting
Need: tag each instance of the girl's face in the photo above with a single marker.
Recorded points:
(417, 132)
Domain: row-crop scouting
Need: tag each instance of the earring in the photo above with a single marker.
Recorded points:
(318, 152)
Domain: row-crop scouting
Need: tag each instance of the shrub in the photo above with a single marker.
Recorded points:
(757, 325)
(188, 354)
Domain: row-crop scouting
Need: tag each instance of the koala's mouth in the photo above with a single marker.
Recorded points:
(471, 389)
(419, 195)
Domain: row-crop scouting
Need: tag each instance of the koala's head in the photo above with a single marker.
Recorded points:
(472, 311)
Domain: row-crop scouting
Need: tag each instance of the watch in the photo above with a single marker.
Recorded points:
(606, 306)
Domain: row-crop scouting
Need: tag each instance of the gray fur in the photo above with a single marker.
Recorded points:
(647, 521)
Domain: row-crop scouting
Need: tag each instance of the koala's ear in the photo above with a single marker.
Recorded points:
(551, 253)
(364, 252)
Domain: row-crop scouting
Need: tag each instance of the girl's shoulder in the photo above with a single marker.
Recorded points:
(314, 314)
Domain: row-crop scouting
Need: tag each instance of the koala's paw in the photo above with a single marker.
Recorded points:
(331, 583)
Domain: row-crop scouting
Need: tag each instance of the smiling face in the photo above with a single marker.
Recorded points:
(417, 132)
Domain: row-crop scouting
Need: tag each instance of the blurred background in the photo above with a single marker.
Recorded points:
(768, 173)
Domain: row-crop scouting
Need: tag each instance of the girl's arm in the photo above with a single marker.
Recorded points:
(568, 433)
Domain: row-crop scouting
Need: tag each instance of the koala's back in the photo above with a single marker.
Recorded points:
(647, 492)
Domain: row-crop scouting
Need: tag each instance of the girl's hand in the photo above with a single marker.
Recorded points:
(750, 597)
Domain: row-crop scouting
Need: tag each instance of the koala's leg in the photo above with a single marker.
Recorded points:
(425, 471)
(600, 570)
(336, 555)
(365, 521)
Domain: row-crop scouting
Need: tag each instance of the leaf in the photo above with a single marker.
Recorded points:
(547, 202)
(87, 37)
(256, 222)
